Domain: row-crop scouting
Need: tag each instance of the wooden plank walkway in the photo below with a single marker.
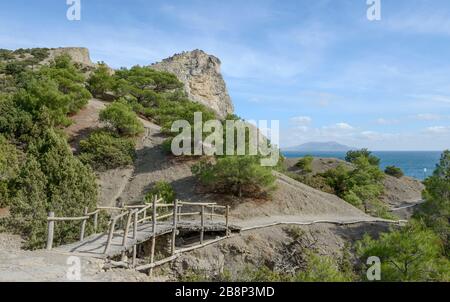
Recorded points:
(94, 245)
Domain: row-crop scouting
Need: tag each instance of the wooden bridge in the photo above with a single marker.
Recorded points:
(141, 223)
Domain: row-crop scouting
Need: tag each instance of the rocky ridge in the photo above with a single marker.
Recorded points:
(202, 79)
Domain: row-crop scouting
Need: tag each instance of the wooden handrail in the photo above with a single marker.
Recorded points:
(133, 212)
(197, 203)
(120, 215)
(164, 216)
(110, 208)
(189, 214)
(68, 218)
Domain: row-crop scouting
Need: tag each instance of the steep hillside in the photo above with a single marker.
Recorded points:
(129, 185)
(397, 191)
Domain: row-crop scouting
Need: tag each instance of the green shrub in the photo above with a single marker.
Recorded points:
(6, 54)
(138, 80)
(162, 189)
(50, 179)
(169, 111)
(435, 212)
(361, 187)
(122, 119)
(9, 168)
(412, 253)
(353, 199)
(394, 171)
(242, 176)
(58, 87)
(305, 164)
(40, 53)
(14, 122)
(322, 269)
(338, 179)
(15, 67)
(104, 150)
(100, 81)
(352, 156)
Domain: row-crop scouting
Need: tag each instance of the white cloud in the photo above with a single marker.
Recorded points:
(438, 130)
(301, 120)
(436, 98)
(428, 117)
(341, 126)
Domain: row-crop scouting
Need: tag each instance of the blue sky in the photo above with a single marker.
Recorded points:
(318, 66)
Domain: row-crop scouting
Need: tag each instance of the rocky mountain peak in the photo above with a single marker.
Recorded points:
(202, 79)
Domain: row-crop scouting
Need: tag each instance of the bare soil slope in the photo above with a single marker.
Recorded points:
(272, 247)
(129, 185)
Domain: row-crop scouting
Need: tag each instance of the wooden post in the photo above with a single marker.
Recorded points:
(83, 224)
(175, 221)
(95, 222)
(135, 227)
(152, 253)
(50, 230)
(134, 255)
(202, 219)
(127, 228)
(212, 212)
(227, 226)
(179, 213)
(110, 236)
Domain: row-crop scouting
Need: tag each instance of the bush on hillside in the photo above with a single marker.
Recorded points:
(352, 156)
(322, 269)
(58, 87)
(100, 81)
(14, 122)
(242, 176)
(104, 150)
(40, 53)
(10, 158)
(50, 179)
(169, 111)
(361, 187)
(412, 253)
(138, 80)
(305, 164)
(394, 171)
(435, 212)
(162, 189)
(15, 67)
(6, 54)
(122, 119)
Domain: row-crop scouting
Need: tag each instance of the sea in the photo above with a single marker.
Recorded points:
(417, 164)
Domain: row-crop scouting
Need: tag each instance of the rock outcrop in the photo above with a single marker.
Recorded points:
(78, 54)
(202, 79)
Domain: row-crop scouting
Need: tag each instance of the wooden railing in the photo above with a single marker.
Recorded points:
(51, 220)
(134, 215)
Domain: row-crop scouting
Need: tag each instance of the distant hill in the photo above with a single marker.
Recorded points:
(319, 146)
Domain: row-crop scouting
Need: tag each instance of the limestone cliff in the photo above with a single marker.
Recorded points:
(202, 79)
(78, 54)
